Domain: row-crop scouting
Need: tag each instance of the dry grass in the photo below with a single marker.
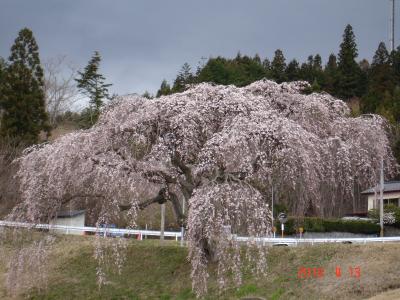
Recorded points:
(162, 272)
(389, 295)
(379, 265)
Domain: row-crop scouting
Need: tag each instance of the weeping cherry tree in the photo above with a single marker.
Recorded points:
(219, 149)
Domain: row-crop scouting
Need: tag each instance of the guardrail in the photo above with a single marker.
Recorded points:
(100, 230)
(296, 241)
(178, 235)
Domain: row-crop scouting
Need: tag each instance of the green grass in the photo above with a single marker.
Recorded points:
(151, 272)
(277, 294)
(155, 271)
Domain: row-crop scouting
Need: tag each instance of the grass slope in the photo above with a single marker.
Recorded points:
(163, 272)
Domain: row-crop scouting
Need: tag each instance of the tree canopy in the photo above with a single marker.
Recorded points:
(367, 87)
(218, 148)
(92, 84)
(23, 102)
(349, 79)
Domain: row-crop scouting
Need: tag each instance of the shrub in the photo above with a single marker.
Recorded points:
(358, 226)
(390, 208)
(389, 218)
(397, 217)
(373, 214)
(391, 215)
(314, 225)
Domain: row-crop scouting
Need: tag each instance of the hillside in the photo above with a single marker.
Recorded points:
(163, 272)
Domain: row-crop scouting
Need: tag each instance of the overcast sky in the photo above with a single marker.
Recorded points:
(144, 41)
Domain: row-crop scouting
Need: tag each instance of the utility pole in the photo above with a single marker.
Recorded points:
(381, 200)
(392, 23)
(272, 205)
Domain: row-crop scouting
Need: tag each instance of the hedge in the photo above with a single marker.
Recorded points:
(311, 224)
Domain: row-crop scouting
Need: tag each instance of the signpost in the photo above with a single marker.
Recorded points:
(301, 229)
(282, 219)
(274, 230)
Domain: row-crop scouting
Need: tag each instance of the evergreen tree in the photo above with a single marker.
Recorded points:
(382, 78)
(92, 84)
(381, 83)
(215, 71)
(23, 102)
(317, 72)
(331, 75)
(278, 67)
(184, 77)
(186, 73)
(240, 71)
(381, 55)
(311, 71)
(165, 89)
(306, 70)
(315, 87)
(267, 67)
(349, 70)
(147, 95)
(364, 68)
(317, 63)
(331, 66)
(2, 79)
(293, 70)
(395, 57)
(396, 104)
(244, 70)
(2, 69)
(257, 59)
(385, 107)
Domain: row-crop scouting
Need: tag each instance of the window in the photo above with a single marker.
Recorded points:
(391, 201)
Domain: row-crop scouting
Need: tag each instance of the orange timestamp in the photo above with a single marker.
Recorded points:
(307, 273)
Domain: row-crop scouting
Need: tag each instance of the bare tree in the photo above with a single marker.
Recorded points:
(9, 190)
(60, 87)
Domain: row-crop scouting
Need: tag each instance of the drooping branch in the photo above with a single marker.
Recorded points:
(160, 199)
(159, 177)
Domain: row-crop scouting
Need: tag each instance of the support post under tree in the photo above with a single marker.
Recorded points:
(182, 226)
(162, 227)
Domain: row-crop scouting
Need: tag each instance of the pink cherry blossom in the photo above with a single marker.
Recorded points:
(220, 149)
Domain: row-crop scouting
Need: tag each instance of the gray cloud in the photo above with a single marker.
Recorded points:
(144, 41)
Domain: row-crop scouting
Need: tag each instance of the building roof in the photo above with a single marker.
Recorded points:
(388, 186)
(69, 213)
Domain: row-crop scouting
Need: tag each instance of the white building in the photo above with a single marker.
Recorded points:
(391, 194)
(75, 218)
